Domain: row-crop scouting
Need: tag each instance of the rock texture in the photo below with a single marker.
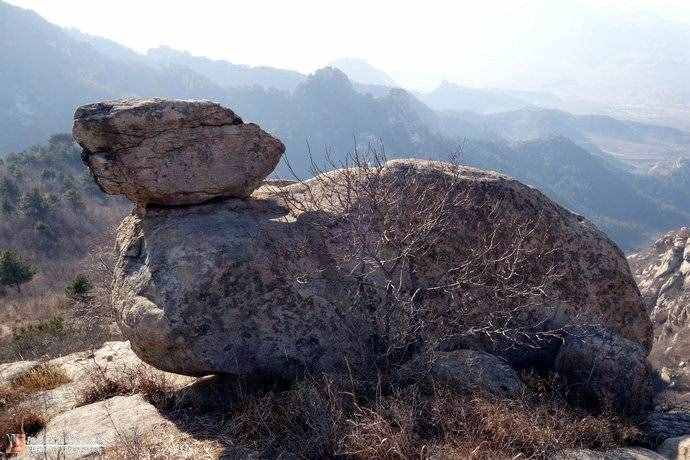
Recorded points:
(205, 289)
(94, 429)
(607, 368)
(623, 453)
(676, 448)
(466, 371)
(172, 152)
(663, 274)
(661, 425)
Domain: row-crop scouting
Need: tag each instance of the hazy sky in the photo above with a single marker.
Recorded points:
(418, 43)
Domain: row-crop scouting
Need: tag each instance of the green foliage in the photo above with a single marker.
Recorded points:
(78, 288)
(14, 271)
(48, 175)
(9, 189)
(74, 198)
(35, 204)
(50, 207)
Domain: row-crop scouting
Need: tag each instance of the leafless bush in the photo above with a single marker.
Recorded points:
(322, 417)
(423, 264)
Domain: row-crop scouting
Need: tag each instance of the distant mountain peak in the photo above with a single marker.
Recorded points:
(361, 71)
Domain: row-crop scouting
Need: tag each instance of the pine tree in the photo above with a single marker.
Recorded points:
(14, 271)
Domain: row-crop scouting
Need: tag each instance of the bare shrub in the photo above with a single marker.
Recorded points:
(303, 421)
(100, 387)
(326, 418)
(422, 264)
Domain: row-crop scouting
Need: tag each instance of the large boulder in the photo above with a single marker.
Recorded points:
(172, 152)
(202, 290)
(250, 287)
(662, 425)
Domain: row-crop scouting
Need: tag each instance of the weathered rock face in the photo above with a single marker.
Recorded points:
(175, 152)
(466, 371)
(663, 274)
(606, 368)
(202, 290)
(218, 288)
(662, 425)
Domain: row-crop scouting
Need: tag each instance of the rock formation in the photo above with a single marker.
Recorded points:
(465, 370)
(173, 152)
(606, 367)
(255, 285)
(663, 274)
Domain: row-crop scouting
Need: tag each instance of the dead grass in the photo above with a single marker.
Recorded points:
(165, 443)
(101, 385)
(323, 418)
(41, 378)
(16, 418)
(523, 426)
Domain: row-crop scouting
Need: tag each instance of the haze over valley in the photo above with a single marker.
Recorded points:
(345, 230)
(630, 177)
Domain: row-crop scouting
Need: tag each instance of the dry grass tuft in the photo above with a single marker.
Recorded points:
(155, 386)
(484, 427)
(41, 378)
(322, 418)
(15, 418)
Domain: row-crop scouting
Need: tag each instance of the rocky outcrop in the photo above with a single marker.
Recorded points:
(604, 367)
(676, 448)
(114, 361)
(661, 425)
(201, 290)
(252, 287)
(663, 274)
(164, 152)
(465, 371)
(117, 427)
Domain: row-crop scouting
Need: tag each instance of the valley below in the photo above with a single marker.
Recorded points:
(206, 259)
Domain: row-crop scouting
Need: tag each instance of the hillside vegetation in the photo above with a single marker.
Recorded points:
(54, 220)
(574, 159)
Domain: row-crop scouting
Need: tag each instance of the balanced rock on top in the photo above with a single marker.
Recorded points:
(173, 152)
(259, 286)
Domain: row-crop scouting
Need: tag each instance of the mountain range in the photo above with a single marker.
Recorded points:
(630, 178)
